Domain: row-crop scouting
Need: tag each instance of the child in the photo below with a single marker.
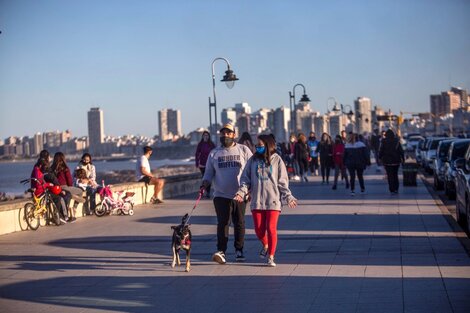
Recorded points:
(265, 177)
(83, 182)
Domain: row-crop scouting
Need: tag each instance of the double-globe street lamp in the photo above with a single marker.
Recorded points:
(339, 109)
(292, 103)
(229, 79)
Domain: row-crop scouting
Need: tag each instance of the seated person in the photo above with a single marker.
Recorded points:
(144, 174)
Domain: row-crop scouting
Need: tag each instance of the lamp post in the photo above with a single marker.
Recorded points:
(229, 79)
(292, 104)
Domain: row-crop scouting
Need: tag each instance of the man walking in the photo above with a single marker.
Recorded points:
(144, 174)
(224, 167)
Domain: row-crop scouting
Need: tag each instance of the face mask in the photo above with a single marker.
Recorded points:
(226, 141)
(260, 150)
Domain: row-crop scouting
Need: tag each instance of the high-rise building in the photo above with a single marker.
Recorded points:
(321, 125)
(337, 123)
(448, 101)
(229, 115)
(362, 106)
(463, 94)
(243, 107)
(378, 111)
(281, 124)
(95, 130)
(169, 124)
(37, 144)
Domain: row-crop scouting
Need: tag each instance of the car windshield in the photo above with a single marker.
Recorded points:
(459, 150)
(444, 149)
(434, 144)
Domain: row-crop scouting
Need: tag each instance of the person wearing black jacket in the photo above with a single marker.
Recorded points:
(391, 155)
(301, 156)
(356, 158)
(325, 150)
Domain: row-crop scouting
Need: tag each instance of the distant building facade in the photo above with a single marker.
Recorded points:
(362, 106)
(95, 130)
(169, 124)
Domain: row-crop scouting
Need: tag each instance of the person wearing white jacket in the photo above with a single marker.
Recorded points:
(265, 180)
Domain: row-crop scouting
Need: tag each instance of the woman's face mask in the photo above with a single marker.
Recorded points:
(260, 149)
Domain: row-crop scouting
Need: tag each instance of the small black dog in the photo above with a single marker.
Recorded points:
(181, 240)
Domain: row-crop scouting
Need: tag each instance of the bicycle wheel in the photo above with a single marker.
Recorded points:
(101, 209)
(31, 216)
(53, 213)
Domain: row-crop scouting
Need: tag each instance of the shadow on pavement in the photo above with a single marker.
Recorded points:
(188, 293)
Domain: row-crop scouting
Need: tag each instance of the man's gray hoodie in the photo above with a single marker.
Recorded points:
(268, 184)
(224, 168)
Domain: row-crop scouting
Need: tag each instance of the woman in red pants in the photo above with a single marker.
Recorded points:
(265, 179)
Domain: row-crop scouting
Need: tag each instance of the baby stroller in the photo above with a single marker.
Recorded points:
(122, 204)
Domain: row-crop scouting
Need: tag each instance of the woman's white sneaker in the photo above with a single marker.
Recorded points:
(270, 262)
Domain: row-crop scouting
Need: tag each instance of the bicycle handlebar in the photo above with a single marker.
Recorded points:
(27, 180)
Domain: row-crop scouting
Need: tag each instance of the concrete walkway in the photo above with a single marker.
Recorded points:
(369, 253)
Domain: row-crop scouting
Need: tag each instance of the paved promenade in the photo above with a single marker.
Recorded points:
(369, 253)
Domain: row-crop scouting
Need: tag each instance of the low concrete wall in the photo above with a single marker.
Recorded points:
(12, 213)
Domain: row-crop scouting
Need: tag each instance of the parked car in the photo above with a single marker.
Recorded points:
(462, 186)
(457, 150)
(430, 153)
(412, 142)
(420, 151)
(439, 161)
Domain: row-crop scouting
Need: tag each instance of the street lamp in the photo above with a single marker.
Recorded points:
(229, 79)
(304, 98)
(335, 108)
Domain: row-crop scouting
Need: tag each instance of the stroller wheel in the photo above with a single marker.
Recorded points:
(130, 212)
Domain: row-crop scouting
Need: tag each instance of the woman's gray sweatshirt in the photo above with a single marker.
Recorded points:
(224, 168)
(268, 184)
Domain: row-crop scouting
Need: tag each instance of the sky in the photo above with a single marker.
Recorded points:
(132, 58)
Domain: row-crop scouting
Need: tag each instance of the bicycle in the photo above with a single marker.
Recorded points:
(122, 205)
(42, 206)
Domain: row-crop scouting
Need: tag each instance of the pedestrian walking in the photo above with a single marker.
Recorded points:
(301, 155)
(204, 147)
(338, 154)
(392, 155)
(312, 144)
(246, 140)
(265, 178)
(356, 160)
(375, 146)
(224, 168)
(325, 150)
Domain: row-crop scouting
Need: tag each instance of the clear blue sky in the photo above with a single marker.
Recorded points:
(132, 58)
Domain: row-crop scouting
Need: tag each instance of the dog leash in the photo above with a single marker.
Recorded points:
(201, 192)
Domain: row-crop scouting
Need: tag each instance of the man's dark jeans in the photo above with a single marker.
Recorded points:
(228, 210)
(392, 176)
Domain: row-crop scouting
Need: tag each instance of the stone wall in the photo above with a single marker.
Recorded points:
(12, 213)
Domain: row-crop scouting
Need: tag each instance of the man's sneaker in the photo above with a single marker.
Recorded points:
(271, 262)
(219, 257)
(363, 191)
(353, 193)
(63, 221)
(239, 256)
(73, 220)
(263, 253)
(156, 200)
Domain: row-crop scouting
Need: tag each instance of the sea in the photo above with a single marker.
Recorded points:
(11, 173)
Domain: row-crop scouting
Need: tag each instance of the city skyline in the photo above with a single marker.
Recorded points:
(59, 59)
